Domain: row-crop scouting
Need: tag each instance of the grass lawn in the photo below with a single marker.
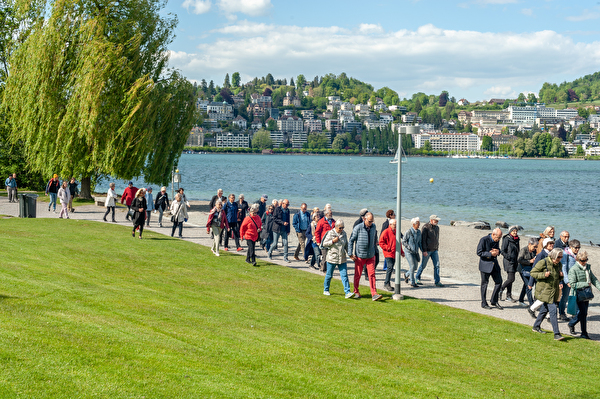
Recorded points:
(88, 311)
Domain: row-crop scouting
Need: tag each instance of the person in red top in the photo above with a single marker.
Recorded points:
(387, 242)
(128, 196)
(251, 227)
(325, 224)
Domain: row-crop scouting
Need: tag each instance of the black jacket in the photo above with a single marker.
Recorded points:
(510, 252)
(524, 259)
(430, 238)
(161, 201)
(279, 218)
(487, 262)
(139, 217)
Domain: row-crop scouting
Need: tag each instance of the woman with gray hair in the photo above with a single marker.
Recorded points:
(412, 245)
(250, 229)
(548, 273)
(581, 280)
(336, 242)
(180, 214)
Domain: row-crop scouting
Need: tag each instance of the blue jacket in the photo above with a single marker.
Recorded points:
(568, 261)
(296, 221)
(231, 210)
(366, 242)
(11, 183)
(412, 241)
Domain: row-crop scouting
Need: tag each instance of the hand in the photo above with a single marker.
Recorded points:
(530, 287)
(531, 261)
(285, 223)
(494, 252)
(336, 239)
(424, 254)
(547, 273)
(569, 284)
(353, 257)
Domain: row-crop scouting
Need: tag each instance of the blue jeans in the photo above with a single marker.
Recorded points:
(284, 240)
(52, 201)
(525, 290)
(562, 305)
(412, 265)
(548, 308)
(435, 259)
(317, 254)
(343, 274)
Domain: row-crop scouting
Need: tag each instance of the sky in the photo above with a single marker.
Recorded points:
(474, 49)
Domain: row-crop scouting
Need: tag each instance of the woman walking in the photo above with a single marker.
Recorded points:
(510, 252)
(231, 210)
(581, 280)
(150, 203)
(63, 195)
(161, 203)
(139, 206)
(336, 242)
(180, 215)
(251, 227)
(109, 203)
(217, 221)
(548, 273)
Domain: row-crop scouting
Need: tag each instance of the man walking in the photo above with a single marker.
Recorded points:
(324, 224)
(128, 197)
(262, 205)
(214, 199)
(412, 244)
(300, 222)
(430, 242)
(563, 242)
(488, 250)
(362, 246)
(11, 187)
(281, 228)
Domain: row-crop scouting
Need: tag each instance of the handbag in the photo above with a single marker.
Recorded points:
(584, 294)
(572, 305)
(174, 217)
(130, 213)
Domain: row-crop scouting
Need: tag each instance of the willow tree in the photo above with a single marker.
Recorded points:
(90, 93)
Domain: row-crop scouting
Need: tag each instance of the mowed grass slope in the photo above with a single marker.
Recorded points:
(88, 311)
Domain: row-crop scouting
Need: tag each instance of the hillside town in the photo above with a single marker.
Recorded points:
(233, 124)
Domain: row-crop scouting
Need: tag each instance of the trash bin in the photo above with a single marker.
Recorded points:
(22, 205)
(31, 205)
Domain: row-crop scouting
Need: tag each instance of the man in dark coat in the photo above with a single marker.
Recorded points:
(281, 228)
(488, 250)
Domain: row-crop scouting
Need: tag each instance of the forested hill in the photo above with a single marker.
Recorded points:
(586, 88)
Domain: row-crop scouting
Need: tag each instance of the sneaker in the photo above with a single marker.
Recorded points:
(531, 313)
(406, 278)
(357, 295)
(326, 293)
(287, 261)
(239, 249)
(438, 284)
(349, 295)
(217, 253)
(377, 297)
(572, 330)
(419, 282)
(558, 337)
(538, 330)
(226, 249)
(270, 256)
(388, 287)
(160, 225)
(585, 336)
(522, 304)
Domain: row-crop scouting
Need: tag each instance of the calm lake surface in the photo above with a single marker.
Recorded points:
(531, 193)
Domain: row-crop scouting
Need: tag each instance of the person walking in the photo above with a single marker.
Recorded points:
(301, 221)
(150, 202)
(262, 205)
(52, 190)
(250, 230)
(488, 251)
(510, 252)
(326, 223)
(336, 243)
(563, 240)
(548, 273)
(266, 234)
(73, 191)
(362, 246)
(231, 210)
(64, 196)
(581, 280)
(215, 198)
(139, 206)
(547, 233)
(217, 222)
(11, 187)
(525, 259)
(161, 203)
(412, 243)
(242, 210)
(387, 242)
(568, 260)
(129, 194)
(180, 215)
(430, 243)
(314, 247)
(389, 214)
(281, 228)
(109, 202)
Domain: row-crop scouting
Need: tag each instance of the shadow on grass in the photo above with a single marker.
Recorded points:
(3, 297)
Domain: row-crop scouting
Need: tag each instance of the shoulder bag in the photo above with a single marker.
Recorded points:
(174, 217)
(584, 294)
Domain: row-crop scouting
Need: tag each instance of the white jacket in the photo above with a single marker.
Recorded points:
(64, 195)
(182, 213)
(110, 198)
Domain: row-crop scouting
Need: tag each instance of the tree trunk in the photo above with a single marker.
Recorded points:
(86, 188)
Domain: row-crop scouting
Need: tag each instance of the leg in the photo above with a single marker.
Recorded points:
(128, 209)
(148, 213)
(328, 276)
(423, 265)
(141, 228)
(216, 238)
(582, 316)
(274, 243)
(390, 270)
(497, 277)
(485, 277)
(268, 242)
(553, 309)
(412, 265)
(524, 289)
(435, 259)
(160, 216)
(226, 238)
(302, 241)
(236, 235)
(563, 300)
(180, 224)
(70, 207)
(543, 311)
(344, 275)
(284, 240)
(173, 229)
(358, 269)
(106, 213)
(250, 252)
(371, 271)
(508, 284)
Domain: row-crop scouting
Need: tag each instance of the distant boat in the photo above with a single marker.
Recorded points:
(395, 160)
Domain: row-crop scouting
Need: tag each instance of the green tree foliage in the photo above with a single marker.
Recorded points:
(339, 142)
(262, 140)
(317, 140)
(90, 95)
(487, 144)
(427, 146)
(580, 152)
(235, 79)
(226, 83)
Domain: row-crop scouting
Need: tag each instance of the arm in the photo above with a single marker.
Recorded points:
(351, 241)
(504, 249)
(244, 227)
(521, 258)
(565, 261)
(539, 270)
(296, 222)
(328, 239)
(482, 249)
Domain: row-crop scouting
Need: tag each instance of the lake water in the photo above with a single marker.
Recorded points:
(531, 193)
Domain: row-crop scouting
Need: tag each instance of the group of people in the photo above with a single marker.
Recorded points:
(65, 192)
(558, 270)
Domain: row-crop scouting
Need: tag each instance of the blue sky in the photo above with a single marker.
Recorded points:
(475, 49)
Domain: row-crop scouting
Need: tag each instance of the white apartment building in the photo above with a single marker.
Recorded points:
(347, 107)
(298, 139)
(530, 113)
(308, 114)
(290, 124)
(448, 141)
(387, 118)
(277, 137)
(376, 124)
(232, 140)
(313, 125)
(332, 124)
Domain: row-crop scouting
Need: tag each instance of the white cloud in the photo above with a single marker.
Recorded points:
(585, 16)
(527, 11)
(500, 92)
(249, 7)
(197, 6)
(495, 1)
(370, 28)
(466, 63)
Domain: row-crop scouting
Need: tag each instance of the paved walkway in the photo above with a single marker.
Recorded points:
(459, 294)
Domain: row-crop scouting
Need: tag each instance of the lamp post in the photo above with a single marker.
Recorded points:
(397, 293)
(175, 178)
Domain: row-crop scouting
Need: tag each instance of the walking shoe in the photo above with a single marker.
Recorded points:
(225, 249)
(388, 287)
(510, 299)
(497, 306)
(160, 225)
(414, 286)
(572, 330)
(532, 313)
(522, 304)
(105, 219)
(239, 249)
(558, 337)
(326, 293)
(287, 261)
(419, 282)
(377, 297)
(296, 258)
(357, 295)
(563, 317)
(270, 256)
(349, 295)
(254, 264)
(584, 336)
(438, 284)
(538, 330)
(406, 278)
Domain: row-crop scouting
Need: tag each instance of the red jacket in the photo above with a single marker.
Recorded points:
(387, 242)
(322, 228)
(249, 230)
(211, 216)
(128, 195)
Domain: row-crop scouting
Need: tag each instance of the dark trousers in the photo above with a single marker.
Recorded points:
(390, 269)
(525, 290)
(108, 209)
(581, 317)
(544, 310)
(251, 254)
(141, 226)
(175, 225)
(508, 284)
(485, 277)
(236, 235)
